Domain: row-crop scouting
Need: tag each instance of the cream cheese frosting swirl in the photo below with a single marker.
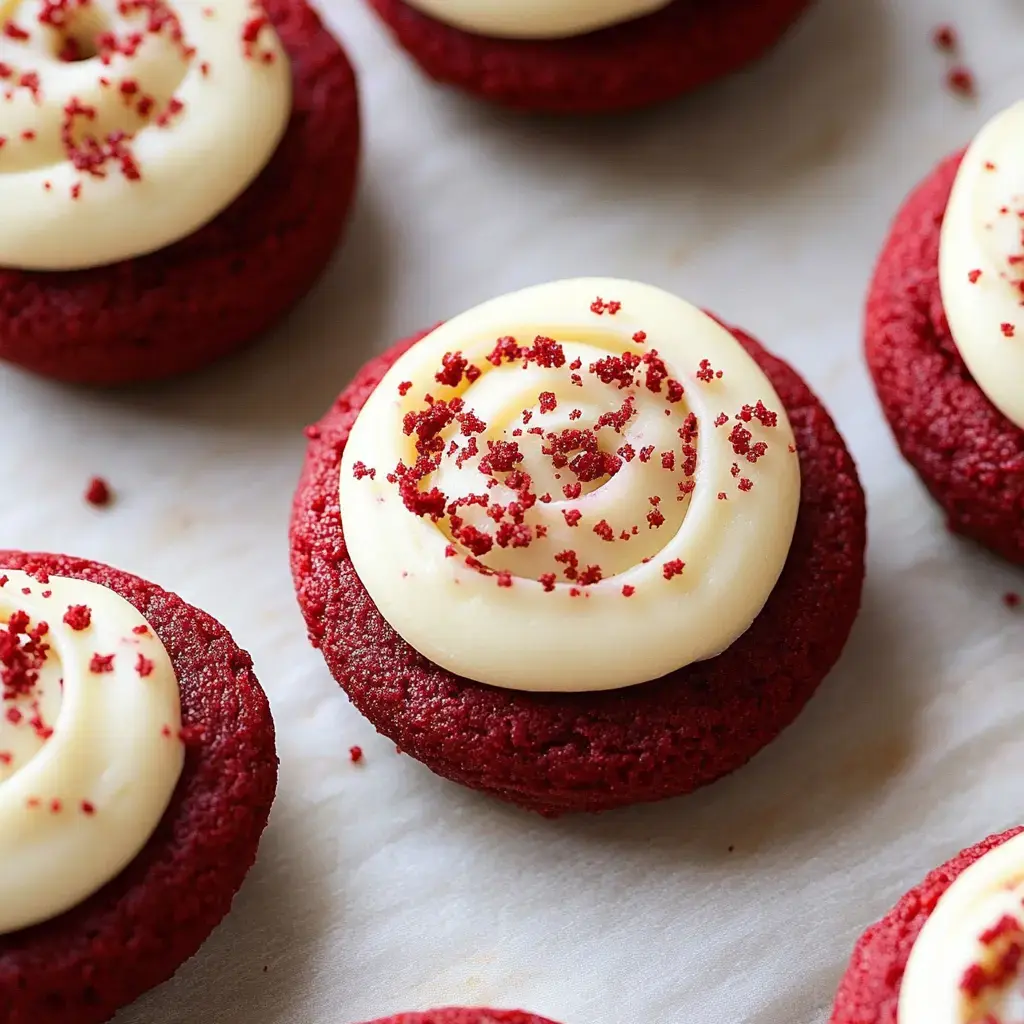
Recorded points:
(535, 19)
(129, 124)
(967, 964)
(90, 749)
(981, 262)
(581, 486)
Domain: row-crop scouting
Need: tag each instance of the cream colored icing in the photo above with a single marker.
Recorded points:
(192, 162)
(981, 263)
(535, 19)
(953, 974)
(573, 636)
(77, 805)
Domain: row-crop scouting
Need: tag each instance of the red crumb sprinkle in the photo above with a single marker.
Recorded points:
(55, 807)
(88, 808)
(28, 135)
(600, 307)
(355, 755)
(1008, 330)
(745, 484)
(13, 31)
(572, 516)
(144, 666)
(547, 581)
(673, 568)
(944, 37)
(141, 630)
(722, 496)
(628, 591)
(973, 275)
(1011, 599)
(604, 530)
(98, 493)
(78, 617)
(101, 663)
(360, 470)
(503, 579)
(640, 337)
(403, 388)
(961, 81)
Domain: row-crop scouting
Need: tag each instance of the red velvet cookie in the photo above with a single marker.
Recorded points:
(186, 305)
(562, 752)
(967, 453)
(870, 989)
(634, 64)
(134, 933)
(460, 1016)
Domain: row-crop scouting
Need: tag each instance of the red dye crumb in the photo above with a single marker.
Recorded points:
(88, 808)
(792, 449)
(722, 496)
(626, 452)
(655, 518)
(1008, 330)
(572, 516)
(98, 493)
(668, 460)
(706, 372)
(13, 31)
(144, 666)
(961, 81)
(360, 470)
(640, 337)
(547, 581)
(78, 617)
(575, 414)
(572, 491)
(989, 166)
(745, 484)
(548, 402)
(141, 630)
(944, 37)
(973, 275)
(646, 453)
(504, 579)
(6, 758)
(604, 530)
(33, 802)
(76, 190)
(628, 591)
(453, 367)
(55, 807)
(355, 755)
(28, 135)
(1011, 599)
(600, 307)
(673, 568)
(403, 388)
(166, 732)
(101, 663)
(47, 186)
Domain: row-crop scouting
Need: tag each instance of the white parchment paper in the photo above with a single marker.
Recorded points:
(380, 888)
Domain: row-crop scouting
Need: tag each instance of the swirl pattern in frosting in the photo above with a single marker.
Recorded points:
(556, 491)
(535, 19)
(981, 262)
(90, 748)
(129, 124)
(967, 964)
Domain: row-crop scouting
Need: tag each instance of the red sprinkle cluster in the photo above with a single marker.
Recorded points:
(1006, 939)
(446, 428)
(98, 492)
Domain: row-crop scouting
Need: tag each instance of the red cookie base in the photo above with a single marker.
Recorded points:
(870, 989)
(555, 753)
(185, 306)
(635, 64)
(460, 1016)
(967, 453)
(136, 931)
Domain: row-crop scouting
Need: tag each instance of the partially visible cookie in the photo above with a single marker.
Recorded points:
(870, 991)
(941, 371)
(634, 63)
(174, 772)
(121, 274)
(462, 1016)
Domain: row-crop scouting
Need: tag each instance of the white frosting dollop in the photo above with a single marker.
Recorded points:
(171, 110)
(535, 19)
(967, 964)
(623, 505)
(981, 262)
(90, 748)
